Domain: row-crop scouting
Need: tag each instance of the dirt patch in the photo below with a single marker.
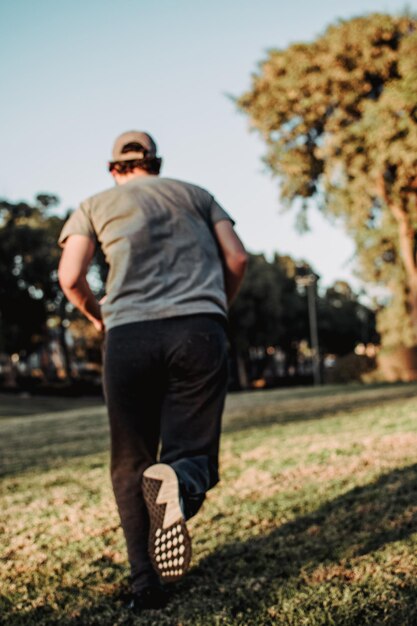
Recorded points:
(253, 480)
(379, 454)
(348, 571)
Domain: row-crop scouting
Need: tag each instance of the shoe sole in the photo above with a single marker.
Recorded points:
(169, 543)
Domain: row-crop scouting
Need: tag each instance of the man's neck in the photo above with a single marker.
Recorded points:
(121, 179)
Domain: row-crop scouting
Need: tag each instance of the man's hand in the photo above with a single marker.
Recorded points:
(98, 325)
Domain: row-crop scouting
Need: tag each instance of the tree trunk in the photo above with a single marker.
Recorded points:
(63, 340)
(406, 238)
(406, 235)
(242, 374)
(11, 375)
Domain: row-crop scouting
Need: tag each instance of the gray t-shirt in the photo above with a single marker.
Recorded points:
(157, 237)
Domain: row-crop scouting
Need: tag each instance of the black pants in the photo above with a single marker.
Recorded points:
(165, 383)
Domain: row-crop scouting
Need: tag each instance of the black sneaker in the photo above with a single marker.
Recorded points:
(169, 543)
(152, 597)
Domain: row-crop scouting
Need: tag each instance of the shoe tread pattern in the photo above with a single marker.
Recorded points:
(169, 548)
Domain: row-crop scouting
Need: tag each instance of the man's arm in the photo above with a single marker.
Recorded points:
(72, 272)
(234, 257)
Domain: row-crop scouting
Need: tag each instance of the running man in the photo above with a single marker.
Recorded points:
(175, 264)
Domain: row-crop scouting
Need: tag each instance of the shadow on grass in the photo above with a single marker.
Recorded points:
(317, 550)
(42, 443)
(299, 573)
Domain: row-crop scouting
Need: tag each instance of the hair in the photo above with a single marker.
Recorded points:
(152, 165)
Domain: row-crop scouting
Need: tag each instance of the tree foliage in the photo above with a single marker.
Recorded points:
(271, 310)
(339, 117)
(344, 321)
(28, 278)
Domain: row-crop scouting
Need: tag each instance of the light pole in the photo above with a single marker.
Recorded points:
(306, 278)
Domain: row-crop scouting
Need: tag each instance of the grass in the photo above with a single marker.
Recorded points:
(314, 522)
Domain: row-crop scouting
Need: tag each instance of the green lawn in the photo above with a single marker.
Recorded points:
(314, 522)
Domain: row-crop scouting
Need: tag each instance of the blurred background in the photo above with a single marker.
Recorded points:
(301, 120)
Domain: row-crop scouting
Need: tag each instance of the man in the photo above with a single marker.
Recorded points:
(175, 263)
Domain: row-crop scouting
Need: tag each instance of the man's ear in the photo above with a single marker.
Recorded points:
(115, 175)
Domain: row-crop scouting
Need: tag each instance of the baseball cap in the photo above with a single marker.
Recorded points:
(133, 136)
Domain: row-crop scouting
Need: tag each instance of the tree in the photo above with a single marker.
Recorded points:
(339, 116)
(343, 321)
(30, 295)
(271, 311)
(268, 311)
(28, 262)
(256, 315)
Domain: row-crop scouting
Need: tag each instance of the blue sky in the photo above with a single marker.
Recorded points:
(75, 75)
